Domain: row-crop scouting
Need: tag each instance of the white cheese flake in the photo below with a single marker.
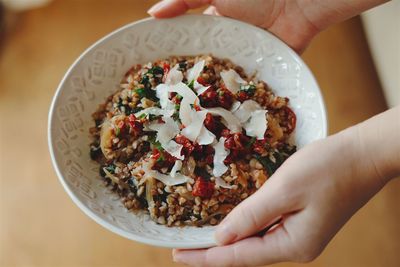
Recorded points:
(194, 73)
(221, 183)
(243, 112)
(152, 110)
(188, 99)
(228, 119)
(235, 105)
(220, 155)
(205, 137)
(176, 168)
(165, 133)
(192, 130)
(232, 80)
(199, 88)
(257, 125)
(174, 76)
(164, 178)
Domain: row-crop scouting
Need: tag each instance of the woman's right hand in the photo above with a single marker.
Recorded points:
(295, 22)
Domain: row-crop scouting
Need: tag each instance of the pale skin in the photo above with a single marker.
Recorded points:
(319, 188)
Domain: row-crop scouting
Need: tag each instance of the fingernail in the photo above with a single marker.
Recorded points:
(175, 256)
(157, 7)
(224, 234)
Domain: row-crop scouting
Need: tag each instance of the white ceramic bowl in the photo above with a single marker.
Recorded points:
(97, 73)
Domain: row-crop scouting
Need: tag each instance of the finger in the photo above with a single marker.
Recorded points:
(253, 251)
(172, 8)
(211, 10)
(256, 212)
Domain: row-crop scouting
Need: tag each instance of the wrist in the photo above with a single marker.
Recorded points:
(376, 145)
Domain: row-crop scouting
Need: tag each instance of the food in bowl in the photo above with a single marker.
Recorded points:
(189, 137)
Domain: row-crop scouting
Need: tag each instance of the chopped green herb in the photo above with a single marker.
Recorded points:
(280, 157)
(182, 65)
(251, 142)
(157, 145)
(117, 131)
(175, 116)
(153, 117)
(156, 70)
(250, 89)
(191, 85)
(161, 158)
(111, 168)
(141, 92)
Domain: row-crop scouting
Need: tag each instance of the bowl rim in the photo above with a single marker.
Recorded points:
(82, 206)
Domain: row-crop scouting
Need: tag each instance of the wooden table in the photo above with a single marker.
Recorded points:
(39, 224)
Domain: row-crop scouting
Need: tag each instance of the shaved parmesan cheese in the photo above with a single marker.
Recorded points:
(244, 111)
(154, 111)
(174, 149)
(184, 91)
(194, 72)
(165, 133)
(188, 98)
(220, 154)
(168, 130)
(228, 119)
(192, 130)
(174, 76)
(257, 125)
(232, 80)
(205, 137)
(221, 183)
(199, 88)
(177, 167)
(166, 179)
(235, 106)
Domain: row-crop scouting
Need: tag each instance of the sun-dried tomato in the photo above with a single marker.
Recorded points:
(156, 154)
(203, 188)
(163, 159)
(225, 98)
(188, 146)
(259, 146)
(166, 68)
(201, 81)
(242, 96)
(236, 141)
(136, 125)
(225, 132)
(209, 122)
(291, 118)
(230, 158)
(209, 98)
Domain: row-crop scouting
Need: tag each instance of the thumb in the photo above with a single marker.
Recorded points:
(255, 213)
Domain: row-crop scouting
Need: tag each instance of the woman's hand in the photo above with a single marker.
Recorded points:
(295, 22)
(314, 192)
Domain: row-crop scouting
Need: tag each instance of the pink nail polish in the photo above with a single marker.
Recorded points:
(175, 256)
(156, 7)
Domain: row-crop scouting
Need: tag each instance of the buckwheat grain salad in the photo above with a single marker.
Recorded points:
(188, 138)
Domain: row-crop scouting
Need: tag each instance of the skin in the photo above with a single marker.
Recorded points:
(340, 182)
(296, 22)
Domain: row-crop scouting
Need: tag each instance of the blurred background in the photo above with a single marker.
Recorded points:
(39, 40)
